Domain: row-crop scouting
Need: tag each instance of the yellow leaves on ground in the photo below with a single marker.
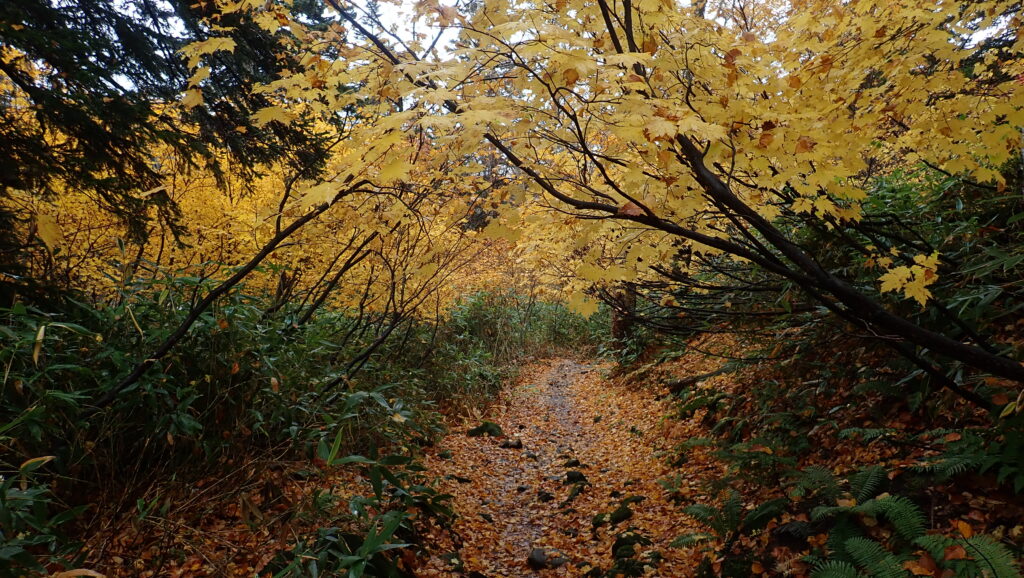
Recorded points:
(568, 418)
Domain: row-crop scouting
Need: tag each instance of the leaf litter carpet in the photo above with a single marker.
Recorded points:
(583, 483)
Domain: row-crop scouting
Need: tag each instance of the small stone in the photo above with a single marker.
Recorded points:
(573, 463)
(522, 489)
(575, 477)
(537, 559)
(545, 496)
(512, 443)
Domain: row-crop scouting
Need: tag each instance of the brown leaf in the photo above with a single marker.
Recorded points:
(805, 144)
(730, 57)
(630, 209)
(923, 566)
(955, 552)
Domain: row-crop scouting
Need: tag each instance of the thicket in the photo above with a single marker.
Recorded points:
(244, 387)
(835, 443)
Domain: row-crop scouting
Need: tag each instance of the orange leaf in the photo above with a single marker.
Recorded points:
(795, 82)
(955, 552)
(964, 528)
(805, 144)
(916, 569)
(952, 437)
(923, 566)
(765, 140)
(630, 209)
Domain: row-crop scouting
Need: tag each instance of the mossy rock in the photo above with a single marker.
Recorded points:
(620, 514)
(575, 477)
(487, 428)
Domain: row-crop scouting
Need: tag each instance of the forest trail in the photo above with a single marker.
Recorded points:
(584, 481)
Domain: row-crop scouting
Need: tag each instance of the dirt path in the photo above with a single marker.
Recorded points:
(586, 475)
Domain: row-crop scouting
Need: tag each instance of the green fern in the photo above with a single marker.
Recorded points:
(817, 481)
(835, 569)
(986, 557)
(692, 539)
(871, 556)
(992, 558)
(865, 483)
(867, 434)
(935, 544)
(905, 516)
(759, 517)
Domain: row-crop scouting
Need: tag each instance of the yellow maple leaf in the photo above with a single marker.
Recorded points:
(270, 114)
(49, 232)
(895, 279)
(395, 170)
(193, 98)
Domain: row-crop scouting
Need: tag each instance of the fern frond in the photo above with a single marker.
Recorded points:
(759, 517)
(691, 539)
(866, 553)
(905, 516)
(731, 509)
(866, 434)
(843, 530)
(835, 569)
(817, 480)
(992, 558)
(934, 544)
(865, 483)
(871, 556)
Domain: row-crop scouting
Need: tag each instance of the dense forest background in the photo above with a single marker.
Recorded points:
(266, 255)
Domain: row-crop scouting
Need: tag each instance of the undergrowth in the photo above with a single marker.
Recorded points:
(246, 386)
